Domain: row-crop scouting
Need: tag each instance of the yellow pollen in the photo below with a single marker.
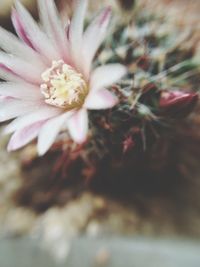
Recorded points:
(63, 86)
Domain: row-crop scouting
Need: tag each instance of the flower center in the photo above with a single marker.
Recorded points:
(63, 86)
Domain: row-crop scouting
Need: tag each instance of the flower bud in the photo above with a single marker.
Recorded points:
(177, 103)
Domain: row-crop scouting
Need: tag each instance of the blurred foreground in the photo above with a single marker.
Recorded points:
(114, 252)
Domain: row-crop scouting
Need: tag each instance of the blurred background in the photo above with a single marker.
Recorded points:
(153, 221)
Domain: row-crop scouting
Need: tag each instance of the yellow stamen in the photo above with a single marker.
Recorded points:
(63, 86)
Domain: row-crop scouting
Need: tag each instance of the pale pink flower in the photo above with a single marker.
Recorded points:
(50, 81)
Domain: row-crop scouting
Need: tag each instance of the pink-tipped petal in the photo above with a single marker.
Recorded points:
(24, 136)
(106, 75)
(38, 39)
(101, 99)
(13, 108)
(76, 30)
(18, 25)
(22, 91)
(41, 113)
(53, 26)
(94, 36)
(23, 69)
(12, 45)
(78, 126)
(49, 132)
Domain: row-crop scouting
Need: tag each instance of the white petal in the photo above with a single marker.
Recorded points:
(40, 41)
(76, 29)
(13, 108)
(78, 126)
(77, 22)
(42, 113)
(23, 91)
(101, 99)
(49, 132)
(94, 36)
(21, 68)
(52, 25)
(24, 136)
(11, 44)
(106, 75)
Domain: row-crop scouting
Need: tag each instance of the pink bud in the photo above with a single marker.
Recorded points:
(178, 101)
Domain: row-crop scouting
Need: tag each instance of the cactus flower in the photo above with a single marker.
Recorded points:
(49, 80)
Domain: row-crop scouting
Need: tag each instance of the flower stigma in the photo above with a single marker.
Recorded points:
(63, 86)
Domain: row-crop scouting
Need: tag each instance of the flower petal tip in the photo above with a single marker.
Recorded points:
(105, 16)
(78, 126)
(101, 99)
(12, 146)
(41, 149)
(41, 152)
(18, 4)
